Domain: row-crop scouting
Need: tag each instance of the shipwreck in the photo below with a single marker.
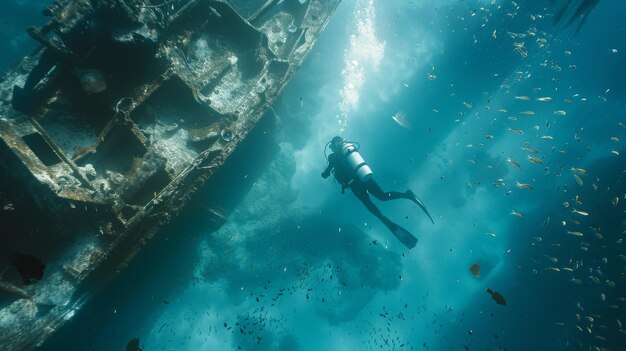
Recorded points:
(110, 126)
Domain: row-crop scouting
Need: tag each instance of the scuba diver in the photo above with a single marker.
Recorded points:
(351, 171)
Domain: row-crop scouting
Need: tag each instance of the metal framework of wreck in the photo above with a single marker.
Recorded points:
(124, 123)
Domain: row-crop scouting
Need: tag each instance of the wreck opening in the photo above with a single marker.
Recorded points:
(150, 188)
(174, 112)
(71, 132)
(41, 149)
(116, 152)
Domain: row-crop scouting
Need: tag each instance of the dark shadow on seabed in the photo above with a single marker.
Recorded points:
(121, 310)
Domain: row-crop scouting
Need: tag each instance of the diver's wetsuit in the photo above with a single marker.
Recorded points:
(347, 177)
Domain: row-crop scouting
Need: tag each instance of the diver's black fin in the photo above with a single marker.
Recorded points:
(408, 239)
(419, 203)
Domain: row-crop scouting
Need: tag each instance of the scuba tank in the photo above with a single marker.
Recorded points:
(356, 161)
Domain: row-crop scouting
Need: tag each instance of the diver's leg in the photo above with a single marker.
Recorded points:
(374, 189)
(361, 194)
(400, 233)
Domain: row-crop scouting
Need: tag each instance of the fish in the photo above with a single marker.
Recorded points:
(544, 99)
(516, 131)
(524, 186)
(528, 113)
(516, 214)
(513, 163)
(582, 213)
(133, 345)
(535, 160)
(400, 118)
(431, 76)
(560, 113)
(578, 179)
(530, 149)
(579, 170)
(552, 259)
(575, 233)
(523, 98)
(468, 105)
(547, 137)
(503, 110)
(616, 139)
(615, 201)
(475, 270)
(554, 269)
(615, 152)
(497, 297)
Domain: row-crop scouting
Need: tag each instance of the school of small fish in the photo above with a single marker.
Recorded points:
(531, 116)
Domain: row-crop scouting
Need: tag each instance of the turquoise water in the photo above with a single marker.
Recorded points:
(299, 266)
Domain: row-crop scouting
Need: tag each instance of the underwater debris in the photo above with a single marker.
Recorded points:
(475, 270)
(497, 297)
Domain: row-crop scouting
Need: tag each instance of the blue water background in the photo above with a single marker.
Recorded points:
(298, 266)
